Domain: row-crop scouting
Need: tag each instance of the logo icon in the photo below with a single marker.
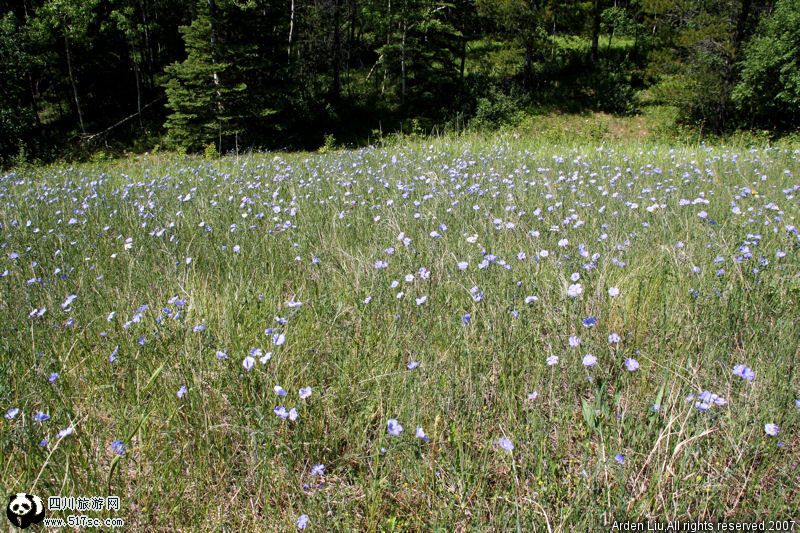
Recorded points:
(24, 509)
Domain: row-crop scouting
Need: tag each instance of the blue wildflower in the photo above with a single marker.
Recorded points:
(505, 444)
(118, 447)
(393, 427)
(744, 372)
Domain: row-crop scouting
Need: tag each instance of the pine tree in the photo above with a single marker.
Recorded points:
(203, 93)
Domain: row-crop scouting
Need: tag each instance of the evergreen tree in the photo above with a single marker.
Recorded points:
(694, 55)
(768, 93)
(202, 93)
(17, 114)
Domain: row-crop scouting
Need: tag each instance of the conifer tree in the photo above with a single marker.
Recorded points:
(203, 92)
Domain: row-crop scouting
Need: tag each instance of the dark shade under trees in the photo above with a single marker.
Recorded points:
(228, 75)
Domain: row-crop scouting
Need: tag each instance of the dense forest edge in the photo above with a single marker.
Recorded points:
(87, 79)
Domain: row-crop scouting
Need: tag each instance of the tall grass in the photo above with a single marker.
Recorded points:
(310, 228)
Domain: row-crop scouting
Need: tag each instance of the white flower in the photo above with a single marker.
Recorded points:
(613, 292)
(574, 290)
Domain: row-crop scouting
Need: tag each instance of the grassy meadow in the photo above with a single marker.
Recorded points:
(497, 333)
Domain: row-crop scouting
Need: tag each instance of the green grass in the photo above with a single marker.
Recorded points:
(220, 459)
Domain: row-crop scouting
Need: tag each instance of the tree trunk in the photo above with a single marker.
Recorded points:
(291, 30)
(72, 82)
(720, 118)
(463, 59)
(138, 92)
(34, 101)
(528, 68)
(741, 25)
(388, 42)
(212, 15)
(403, 67)
(595, 30)
(337, 51)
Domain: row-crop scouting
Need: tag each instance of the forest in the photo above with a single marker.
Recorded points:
(220, 76)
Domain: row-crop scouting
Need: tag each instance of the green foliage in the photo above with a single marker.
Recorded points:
(16, 118)
(202, 91)
(210, 151)
(498, 109)
(329, 144)
(768, 92)
(619, 22)
(77, 75)
(694, 52)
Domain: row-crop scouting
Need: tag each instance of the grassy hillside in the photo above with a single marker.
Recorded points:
(557, 327)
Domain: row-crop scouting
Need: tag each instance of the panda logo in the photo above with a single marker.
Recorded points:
(24, 509)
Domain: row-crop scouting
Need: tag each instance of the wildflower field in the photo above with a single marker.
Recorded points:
(460, 334)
